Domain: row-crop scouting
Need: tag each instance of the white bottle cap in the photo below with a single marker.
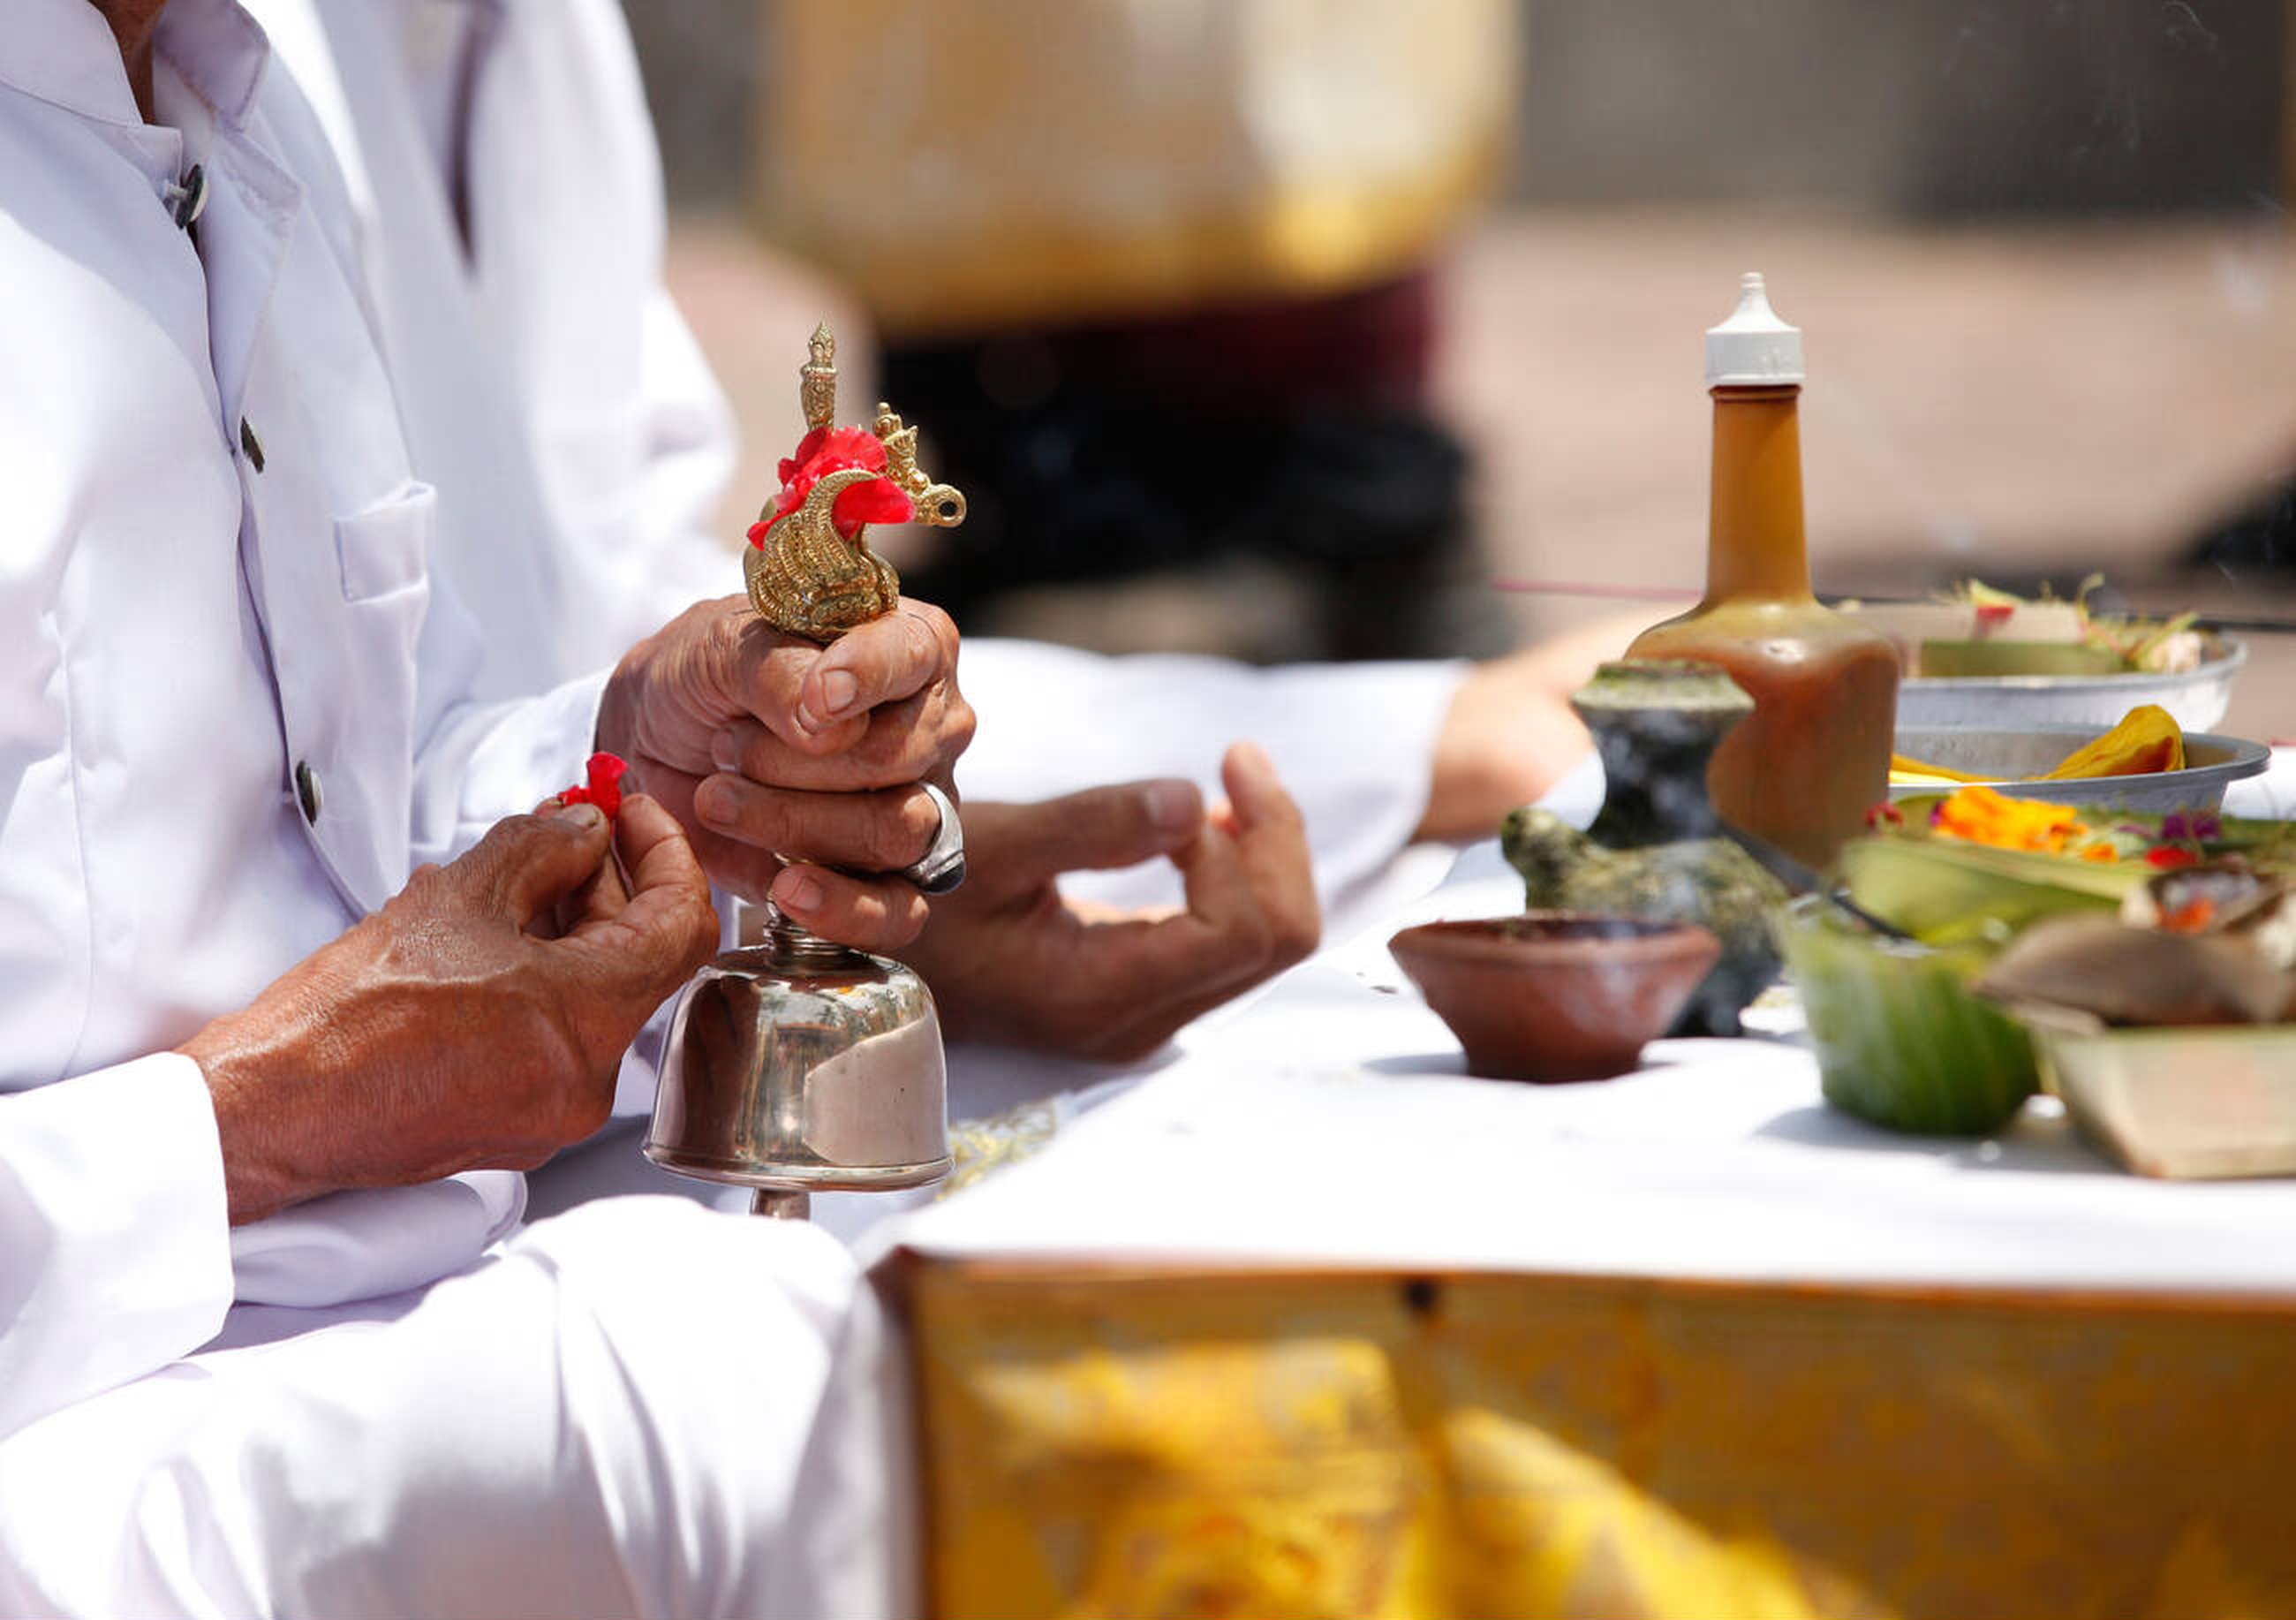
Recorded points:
(1752, 348)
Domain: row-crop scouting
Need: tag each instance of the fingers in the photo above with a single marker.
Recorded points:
(877, 831)
(654, 850)
(1272, 839)
(907, 741)
(884, 660)
(867, 913)
(526, 864)
(1012, 846)
(824, 701)
(1260, 862)
(668, 927)
(599, 894)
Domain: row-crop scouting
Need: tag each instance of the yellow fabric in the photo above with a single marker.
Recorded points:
(1026, 162)
(1364, 1445)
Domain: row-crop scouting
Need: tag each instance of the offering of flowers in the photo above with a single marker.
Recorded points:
(2185, 917)
(1975, 630)
(602, 785)
(2029, 914)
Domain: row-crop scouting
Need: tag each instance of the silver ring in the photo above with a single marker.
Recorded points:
(941, 868)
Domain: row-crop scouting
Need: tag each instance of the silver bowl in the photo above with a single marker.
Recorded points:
(2004, 755)
(2198, 697)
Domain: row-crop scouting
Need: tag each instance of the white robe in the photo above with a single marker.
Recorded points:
(235, 708)
(232, 711)
(554, 316)
(460, 438)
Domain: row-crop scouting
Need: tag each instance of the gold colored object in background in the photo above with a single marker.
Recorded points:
(804, 577)
(1016, 183)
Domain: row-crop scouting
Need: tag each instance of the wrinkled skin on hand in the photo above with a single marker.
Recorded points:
(1009, 960)
(765, 746)
(477, 1021)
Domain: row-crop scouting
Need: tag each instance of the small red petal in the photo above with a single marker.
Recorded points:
(873, 500)
(847, 447)
(2170, 855)
(808, 448)
(1991, 613)
(758, 530)
(606, 773)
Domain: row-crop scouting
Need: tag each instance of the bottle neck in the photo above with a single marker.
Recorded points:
(1755, 547)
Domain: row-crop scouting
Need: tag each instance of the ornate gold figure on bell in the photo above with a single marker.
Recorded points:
(809, 569)
(796, 1066)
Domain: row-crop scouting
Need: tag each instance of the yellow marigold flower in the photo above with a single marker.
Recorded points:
(1982, 816)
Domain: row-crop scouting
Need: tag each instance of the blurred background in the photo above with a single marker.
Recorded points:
(1283, 328)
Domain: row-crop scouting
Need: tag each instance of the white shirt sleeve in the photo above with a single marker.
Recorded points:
(482, 761)
(115, 1250)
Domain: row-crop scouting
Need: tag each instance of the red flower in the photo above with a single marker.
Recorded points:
(2169, 856)
(872, 501)
(1885, 815)
(826, 450)
(604, 788)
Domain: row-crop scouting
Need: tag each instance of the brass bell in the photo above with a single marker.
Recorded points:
(797, 1066)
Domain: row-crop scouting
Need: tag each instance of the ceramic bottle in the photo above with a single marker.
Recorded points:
(1814, 756)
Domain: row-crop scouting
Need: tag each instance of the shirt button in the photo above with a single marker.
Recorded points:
(306, 790)
(251, 446)
(188, 197)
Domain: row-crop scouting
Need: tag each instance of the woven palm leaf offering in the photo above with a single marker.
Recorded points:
(2107, 916)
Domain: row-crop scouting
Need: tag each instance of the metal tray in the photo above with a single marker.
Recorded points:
(2197, 697)
(2004, 754)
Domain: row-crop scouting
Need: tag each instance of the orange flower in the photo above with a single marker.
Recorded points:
(1980, 815)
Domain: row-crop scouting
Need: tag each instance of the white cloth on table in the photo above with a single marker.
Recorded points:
(2270, 796)
(1332, 1122)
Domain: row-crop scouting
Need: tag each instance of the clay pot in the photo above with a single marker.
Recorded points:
(1555, 995)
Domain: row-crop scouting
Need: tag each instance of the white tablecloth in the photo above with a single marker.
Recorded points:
(1328, 1121)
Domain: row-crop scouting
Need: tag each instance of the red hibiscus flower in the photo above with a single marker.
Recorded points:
(826, 450)
(604, 788)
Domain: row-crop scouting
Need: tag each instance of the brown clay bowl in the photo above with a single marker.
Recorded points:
(1555, 995)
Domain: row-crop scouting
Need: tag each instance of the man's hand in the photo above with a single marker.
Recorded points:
(1510, 733)
(476, 1021)
(1009, 960)
(766, 746)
